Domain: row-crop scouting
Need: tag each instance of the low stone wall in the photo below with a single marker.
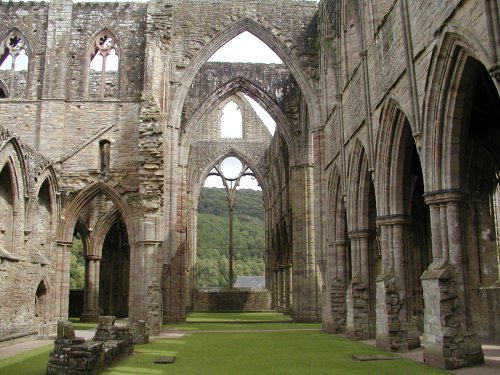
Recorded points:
(232, 300)
(73, 355)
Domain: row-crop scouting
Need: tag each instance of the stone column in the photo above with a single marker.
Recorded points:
(338, 288)
(91, 310)
(281, 278)
(357, 296)
(395, 329)
(450, 342)
(306, 298)
(146, 256)
(275, 289)
(288, 288)
(62, 279)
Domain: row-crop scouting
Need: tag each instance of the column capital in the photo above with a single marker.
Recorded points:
(93, 257)
(360, 233)
(443, 196)
(393, 220)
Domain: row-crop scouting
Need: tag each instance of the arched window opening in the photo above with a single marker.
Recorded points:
(483, 139)
(419, 229)
(242, 49)
(231, 121)
(104, 155)
(14, 56)
(14, 61)
(230, 227)
(213, 181)
(41, 303)
(114, 272)
(6, 212)
(104, 61)
(249, 183)
(42, 222)
(77, 263)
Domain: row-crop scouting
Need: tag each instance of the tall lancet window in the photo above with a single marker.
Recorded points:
(231, 121)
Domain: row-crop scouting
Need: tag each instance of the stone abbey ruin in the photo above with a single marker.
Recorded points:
(381, 184)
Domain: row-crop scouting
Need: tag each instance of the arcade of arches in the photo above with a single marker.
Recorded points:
(380, 184)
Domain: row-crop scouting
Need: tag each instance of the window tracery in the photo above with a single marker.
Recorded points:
(13, 63)
(104, 60)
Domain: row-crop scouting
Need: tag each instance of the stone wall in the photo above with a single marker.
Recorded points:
(232, 300)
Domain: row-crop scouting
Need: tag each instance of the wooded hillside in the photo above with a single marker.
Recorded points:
(213, 236)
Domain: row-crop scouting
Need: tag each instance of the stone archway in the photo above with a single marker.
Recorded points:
(65, 240)
(404, 227)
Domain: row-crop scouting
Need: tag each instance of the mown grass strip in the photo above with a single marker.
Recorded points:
(32, 362)
(287, 353)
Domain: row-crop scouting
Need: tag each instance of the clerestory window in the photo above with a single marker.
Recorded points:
(104, 61)
(13, 64)
(231, 121)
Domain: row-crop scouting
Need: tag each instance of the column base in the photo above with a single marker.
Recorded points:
(447, 344)
(357, 315)
(90, 316)
(393, 333)
(439, 354)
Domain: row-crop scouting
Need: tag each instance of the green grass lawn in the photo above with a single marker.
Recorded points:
(33, 362)
(226, 353)
(297, 352)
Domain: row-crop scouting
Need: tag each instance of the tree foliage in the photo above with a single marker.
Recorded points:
(77, 265)
(213, 239)
(213, 236)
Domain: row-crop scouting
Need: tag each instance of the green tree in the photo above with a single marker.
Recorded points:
(77, 265)
(213, 236)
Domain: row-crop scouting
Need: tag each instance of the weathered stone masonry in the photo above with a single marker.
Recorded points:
(380, 183)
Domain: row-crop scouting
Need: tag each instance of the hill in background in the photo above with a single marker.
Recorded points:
(213, 236)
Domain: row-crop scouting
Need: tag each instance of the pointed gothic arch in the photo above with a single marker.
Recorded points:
(72, 212)
(242, 157)
(226, 90)
(446, 85)
(14, 188)
(288, 58)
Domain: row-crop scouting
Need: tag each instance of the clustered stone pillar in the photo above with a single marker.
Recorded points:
(449, 339)
(338, 287)
(288, 288)
(357, 296)
(306, 301)
(91, 310)
(395, 329)
(274, 289)
(62, 282)
(281, 288)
